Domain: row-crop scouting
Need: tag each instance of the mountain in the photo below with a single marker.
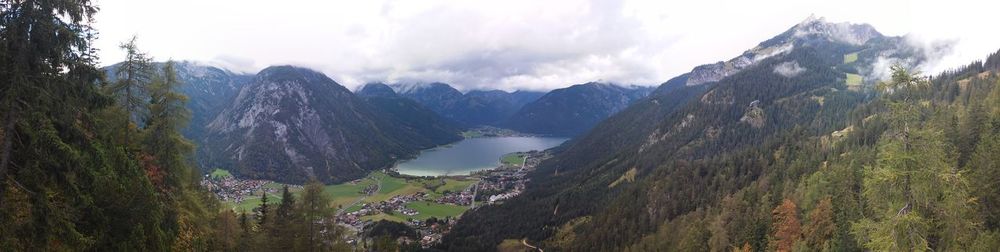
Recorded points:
(475, 108)
(491, 107)
(702, 161)
(575, 109)
(439, 97)
(409, 114)
(209, 89)
(293, 124)
(376, 90)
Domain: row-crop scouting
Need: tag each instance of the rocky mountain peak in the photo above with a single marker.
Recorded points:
(844, 32)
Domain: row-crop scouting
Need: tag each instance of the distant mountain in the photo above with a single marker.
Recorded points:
(292, 124)
(439, 97)
(491, 107)
(408, 113)
(662, 166)
(575, 109)
(209, 90)
(475, 108)
(376, 90)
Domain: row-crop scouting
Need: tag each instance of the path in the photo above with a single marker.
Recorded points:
(525, 242)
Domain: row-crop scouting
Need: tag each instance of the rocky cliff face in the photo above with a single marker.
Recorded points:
(293, 124)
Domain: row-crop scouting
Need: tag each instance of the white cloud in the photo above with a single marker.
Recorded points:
(518, 44)
(789, 69)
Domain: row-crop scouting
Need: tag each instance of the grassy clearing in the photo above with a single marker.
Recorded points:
(249, 204)
(854, 80)
(629, 176)
(850, 58)
(455, 185)
(512, 245)
(513, 159)
(220, 173)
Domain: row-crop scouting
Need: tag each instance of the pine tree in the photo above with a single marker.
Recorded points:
(262, 210)
(914, 185)
(984, 166)
(317, 226)
(284, 221)
(133, 76)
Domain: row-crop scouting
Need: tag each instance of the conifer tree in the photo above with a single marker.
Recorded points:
(132, 78)
(914, 185)
(262, 210)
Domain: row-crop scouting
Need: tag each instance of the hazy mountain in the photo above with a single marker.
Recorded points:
(409, 114)
(291, 124)
(575, 109)
(698, 137)
(376, 90)
(475, 108)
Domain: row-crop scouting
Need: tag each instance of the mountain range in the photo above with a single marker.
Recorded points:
(720, 129)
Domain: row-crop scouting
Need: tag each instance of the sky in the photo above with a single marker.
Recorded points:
(511, 44)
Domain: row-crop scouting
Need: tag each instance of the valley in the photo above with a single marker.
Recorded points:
(405, 195)
(412, 126)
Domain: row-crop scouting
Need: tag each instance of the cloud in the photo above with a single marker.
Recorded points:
(516, 44)
(789, 69)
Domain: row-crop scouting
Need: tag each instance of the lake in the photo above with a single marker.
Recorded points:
(472, 154)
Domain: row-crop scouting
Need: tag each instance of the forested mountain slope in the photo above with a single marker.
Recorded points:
(575, 109)
(704, 164)
(409, 114)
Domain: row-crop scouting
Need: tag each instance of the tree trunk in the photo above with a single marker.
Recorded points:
(7, 147)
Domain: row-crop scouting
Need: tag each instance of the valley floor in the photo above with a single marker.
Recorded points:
(386, 195)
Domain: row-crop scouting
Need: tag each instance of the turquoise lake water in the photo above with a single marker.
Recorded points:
(472, 154)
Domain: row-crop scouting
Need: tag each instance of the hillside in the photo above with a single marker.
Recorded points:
(575, 109)
(712, 153)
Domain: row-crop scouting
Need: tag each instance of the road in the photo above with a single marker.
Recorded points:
(525, 242)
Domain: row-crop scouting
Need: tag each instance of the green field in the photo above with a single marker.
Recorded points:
(252, 202)
(220, 173)
(454, 185)
(854, 79)
(342, 195)
(850, 58)
(432, 209)
(426, 210)
(513, 159)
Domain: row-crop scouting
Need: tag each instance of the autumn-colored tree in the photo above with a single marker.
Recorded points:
(821, 226)
(786, 226)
